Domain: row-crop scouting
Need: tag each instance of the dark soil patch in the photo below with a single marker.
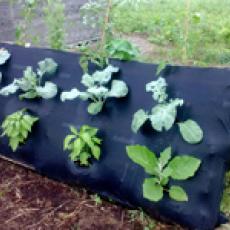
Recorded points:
(29, 201)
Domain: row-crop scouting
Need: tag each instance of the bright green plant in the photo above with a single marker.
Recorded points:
(163, 114)
(161, 170)
(17, 126)
(31, 82)
(122, 49)
(97, 90)
(83, 144)
(54, 16)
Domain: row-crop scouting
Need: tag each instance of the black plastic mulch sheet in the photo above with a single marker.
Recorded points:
(207, 100)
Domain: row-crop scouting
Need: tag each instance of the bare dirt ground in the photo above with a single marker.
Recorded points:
(29, 201)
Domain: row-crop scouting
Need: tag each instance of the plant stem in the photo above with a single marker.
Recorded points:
(106, 22)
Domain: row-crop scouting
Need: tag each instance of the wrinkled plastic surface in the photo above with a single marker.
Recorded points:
(207, 100)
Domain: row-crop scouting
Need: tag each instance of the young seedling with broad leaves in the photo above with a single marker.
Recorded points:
(97, 89)
(17, 126)
(83, 144)
(31, 82)
(161, 170)
(4, 56)
(163, 114)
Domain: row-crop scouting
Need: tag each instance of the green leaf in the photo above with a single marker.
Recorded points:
(14, 142)
(71, 95)
(4, 56)
(47, 66)
(9, 89)
(177, 193)
(184, 167)
(152, 190)
(73, 130)
(48, 91)
(67, 141)
(139, 118)
(164, 115)
(161, 67)
(122, 49)
(118, 89)
(28, 95)
(158, 89)
(165, 156)
(191, 131)
(96, 151)
(104, 76)
(95, 107)
(87, 80)
(143, 157)
(84, 158)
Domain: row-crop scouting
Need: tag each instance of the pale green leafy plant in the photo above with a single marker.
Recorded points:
(163, 114)
(83, 144)
(17, 126)
(31, 82)
(97, 90)
(163, 169)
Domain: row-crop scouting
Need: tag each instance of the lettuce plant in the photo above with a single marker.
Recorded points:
(163, 114)
(97, 89)
(83, 144)
(163, 169)
(31, 82)
(17, 126)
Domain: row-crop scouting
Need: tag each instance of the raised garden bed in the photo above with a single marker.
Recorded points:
(113, 172)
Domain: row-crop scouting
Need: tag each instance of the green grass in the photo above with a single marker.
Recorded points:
(193, 31)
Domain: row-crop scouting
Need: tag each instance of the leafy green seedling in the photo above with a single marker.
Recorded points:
(97, 90)
(122, 49)
(31, 82)
(163, 114)
(83, 144)
(17, 126)
(4, 56)
(162, 169)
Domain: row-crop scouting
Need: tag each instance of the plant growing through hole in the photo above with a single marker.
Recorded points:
(163, 114)
(97, 89)
(31, 82)
(17, 127)
(98, 14)
(161, 170)
(83, 144)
